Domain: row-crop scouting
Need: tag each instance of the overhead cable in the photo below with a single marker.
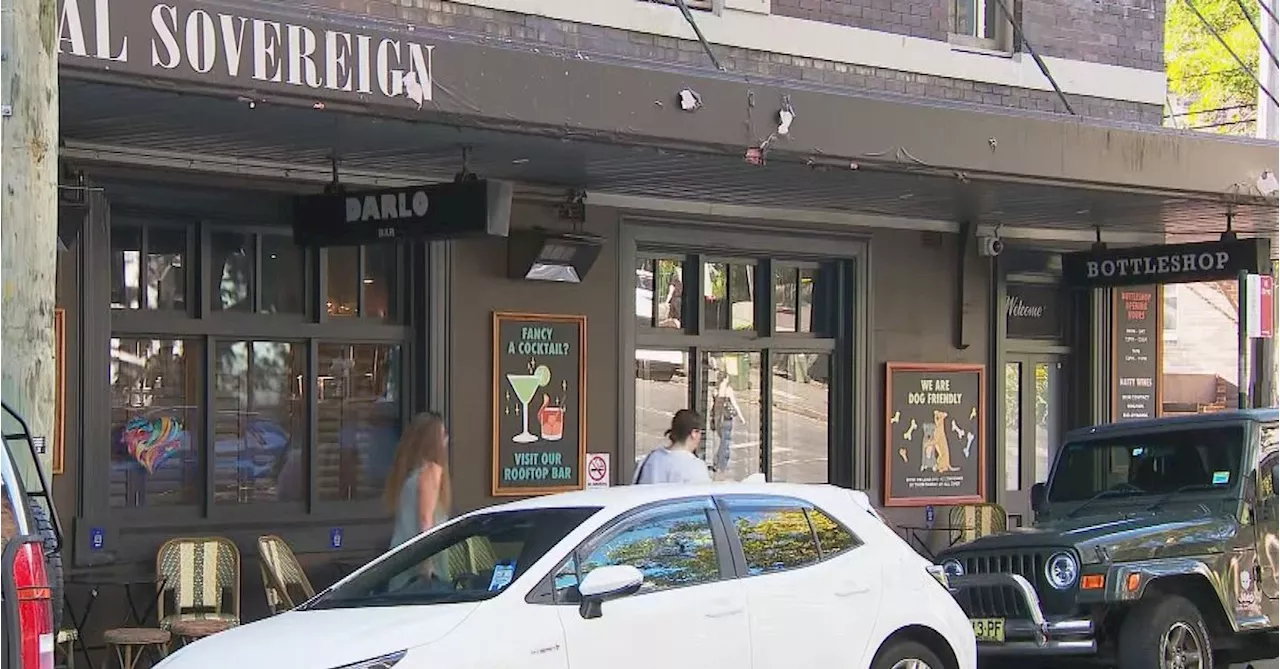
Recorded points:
(1021, 38)
(1239, 61)
(1257, 30)
(693, 23)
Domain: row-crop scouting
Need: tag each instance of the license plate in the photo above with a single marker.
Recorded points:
(988, 629)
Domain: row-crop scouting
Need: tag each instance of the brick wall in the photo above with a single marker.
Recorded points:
(1129, 33)
(589, 39)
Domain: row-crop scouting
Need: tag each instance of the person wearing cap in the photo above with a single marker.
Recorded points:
(675, 462)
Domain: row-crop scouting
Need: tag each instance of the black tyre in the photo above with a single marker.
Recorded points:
(1165, 632)
(52, 557)
(907, 655)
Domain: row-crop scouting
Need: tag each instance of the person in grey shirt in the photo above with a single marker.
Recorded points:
(675, 462)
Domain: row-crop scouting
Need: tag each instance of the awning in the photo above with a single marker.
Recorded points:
(131, 127)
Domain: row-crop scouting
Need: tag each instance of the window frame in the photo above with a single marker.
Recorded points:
(199, 322)
(727, 504)
(1004, 41)
(842, 336)
(544, 592)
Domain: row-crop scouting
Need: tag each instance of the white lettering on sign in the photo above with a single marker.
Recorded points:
(1017, 308)
(1154, 265)
(218, 44)
(387, 206)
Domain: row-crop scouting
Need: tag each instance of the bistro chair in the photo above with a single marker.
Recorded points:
(970, 521)
(201, 575)
(473, 556)
(131, 643)
(64, 644)
(282, 576)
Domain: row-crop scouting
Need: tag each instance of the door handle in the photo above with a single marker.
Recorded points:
(725, 613)
(851, 588)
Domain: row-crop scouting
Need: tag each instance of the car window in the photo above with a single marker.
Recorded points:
(473, 559)
(833, 538)
(774, 538)
(1145, 464)
(671, 545)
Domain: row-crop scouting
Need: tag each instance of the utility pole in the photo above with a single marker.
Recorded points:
(29, 210)
(1268, 74)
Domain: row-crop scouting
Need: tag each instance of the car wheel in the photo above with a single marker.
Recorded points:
(1166, 632)
(52, 557)
(907, 655)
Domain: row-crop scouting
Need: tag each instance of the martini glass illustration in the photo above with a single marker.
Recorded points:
(525, 386)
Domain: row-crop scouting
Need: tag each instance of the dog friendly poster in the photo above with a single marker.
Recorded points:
(539, 405)
(934, 431)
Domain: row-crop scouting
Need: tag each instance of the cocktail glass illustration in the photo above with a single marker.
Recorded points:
(524, 386)
(551, 420)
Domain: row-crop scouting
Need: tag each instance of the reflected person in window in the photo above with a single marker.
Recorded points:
(675, 462)
(418, 488)
(725, 412)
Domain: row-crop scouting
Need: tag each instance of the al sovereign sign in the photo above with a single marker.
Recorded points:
(181, 37)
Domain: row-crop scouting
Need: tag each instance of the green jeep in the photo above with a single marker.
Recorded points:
(1154, 546)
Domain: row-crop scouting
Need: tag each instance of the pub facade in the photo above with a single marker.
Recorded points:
(298, 227)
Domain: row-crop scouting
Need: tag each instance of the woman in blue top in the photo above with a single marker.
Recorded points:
(418, 489)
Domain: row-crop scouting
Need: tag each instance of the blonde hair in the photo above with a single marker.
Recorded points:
(422, 442)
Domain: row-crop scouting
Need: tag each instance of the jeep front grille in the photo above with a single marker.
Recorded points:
(1002, 601)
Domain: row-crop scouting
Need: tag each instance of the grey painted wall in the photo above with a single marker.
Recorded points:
(1081, 29)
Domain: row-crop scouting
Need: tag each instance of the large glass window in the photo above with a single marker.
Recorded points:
(259, 401)
(260, 425)
(359, 419)
(156, 429)
(760, 359)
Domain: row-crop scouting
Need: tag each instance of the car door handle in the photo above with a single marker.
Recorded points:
(851, 588)
(725, 613)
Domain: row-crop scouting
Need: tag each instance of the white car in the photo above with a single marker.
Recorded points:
(767, 576)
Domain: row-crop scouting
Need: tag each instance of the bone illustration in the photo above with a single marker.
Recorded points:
(968, 444)
(911, 430)
(956, 428)
(897, 416)
(902, 452)
(973, 413)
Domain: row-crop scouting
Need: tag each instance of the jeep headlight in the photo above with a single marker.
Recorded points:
(1061, 570)
(953, 567)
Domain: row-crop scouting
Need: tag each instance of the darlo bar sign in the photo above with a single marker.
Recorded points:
(1164, 264)
(198, 42)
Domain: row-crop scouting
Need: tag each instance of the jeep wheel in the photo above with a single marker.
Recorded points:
(1165, 632)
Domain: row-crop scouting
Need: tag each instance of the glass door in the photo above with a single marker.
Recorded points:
(1034, 393)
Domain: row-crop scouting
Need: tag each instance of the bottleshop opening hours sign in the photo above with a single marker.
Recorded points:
(539, 403)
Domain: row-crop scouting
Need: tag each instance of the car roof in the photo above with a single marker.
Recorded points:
(1265, 415)
(621, 498)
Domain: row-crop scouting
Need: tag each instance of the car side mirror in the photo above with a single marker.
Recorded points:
(605, 583)
(1037, 497)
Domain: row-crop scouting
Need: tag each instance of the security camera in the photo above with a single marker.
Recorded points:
(1267, 183)
(990, 246)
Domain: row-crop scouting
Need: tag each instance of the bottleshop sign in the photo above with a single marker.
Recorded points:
(211, 44)
(539, 403)
(1164, 264)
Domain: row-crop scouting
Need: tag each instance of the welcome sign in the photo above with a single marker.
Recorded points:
(1164, 264)
(200, 41)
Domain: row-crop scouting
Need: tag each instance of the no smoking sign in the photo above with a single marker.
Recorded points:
(598, 470)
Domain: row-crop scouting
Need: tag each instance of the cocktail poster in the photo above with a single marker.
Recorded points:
(539, 403)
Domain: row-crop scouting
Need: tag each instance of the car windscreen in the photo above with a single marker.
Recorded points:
(471, 560)
(1156, 463)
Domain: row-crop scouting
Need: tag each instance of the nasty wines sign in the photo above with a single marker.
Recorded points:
(206, 43)
(1164, 264)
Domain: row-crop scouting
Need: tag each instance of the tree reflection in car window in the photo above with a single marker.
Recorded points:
(672, 550)
(833, 538)
(774, 539)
